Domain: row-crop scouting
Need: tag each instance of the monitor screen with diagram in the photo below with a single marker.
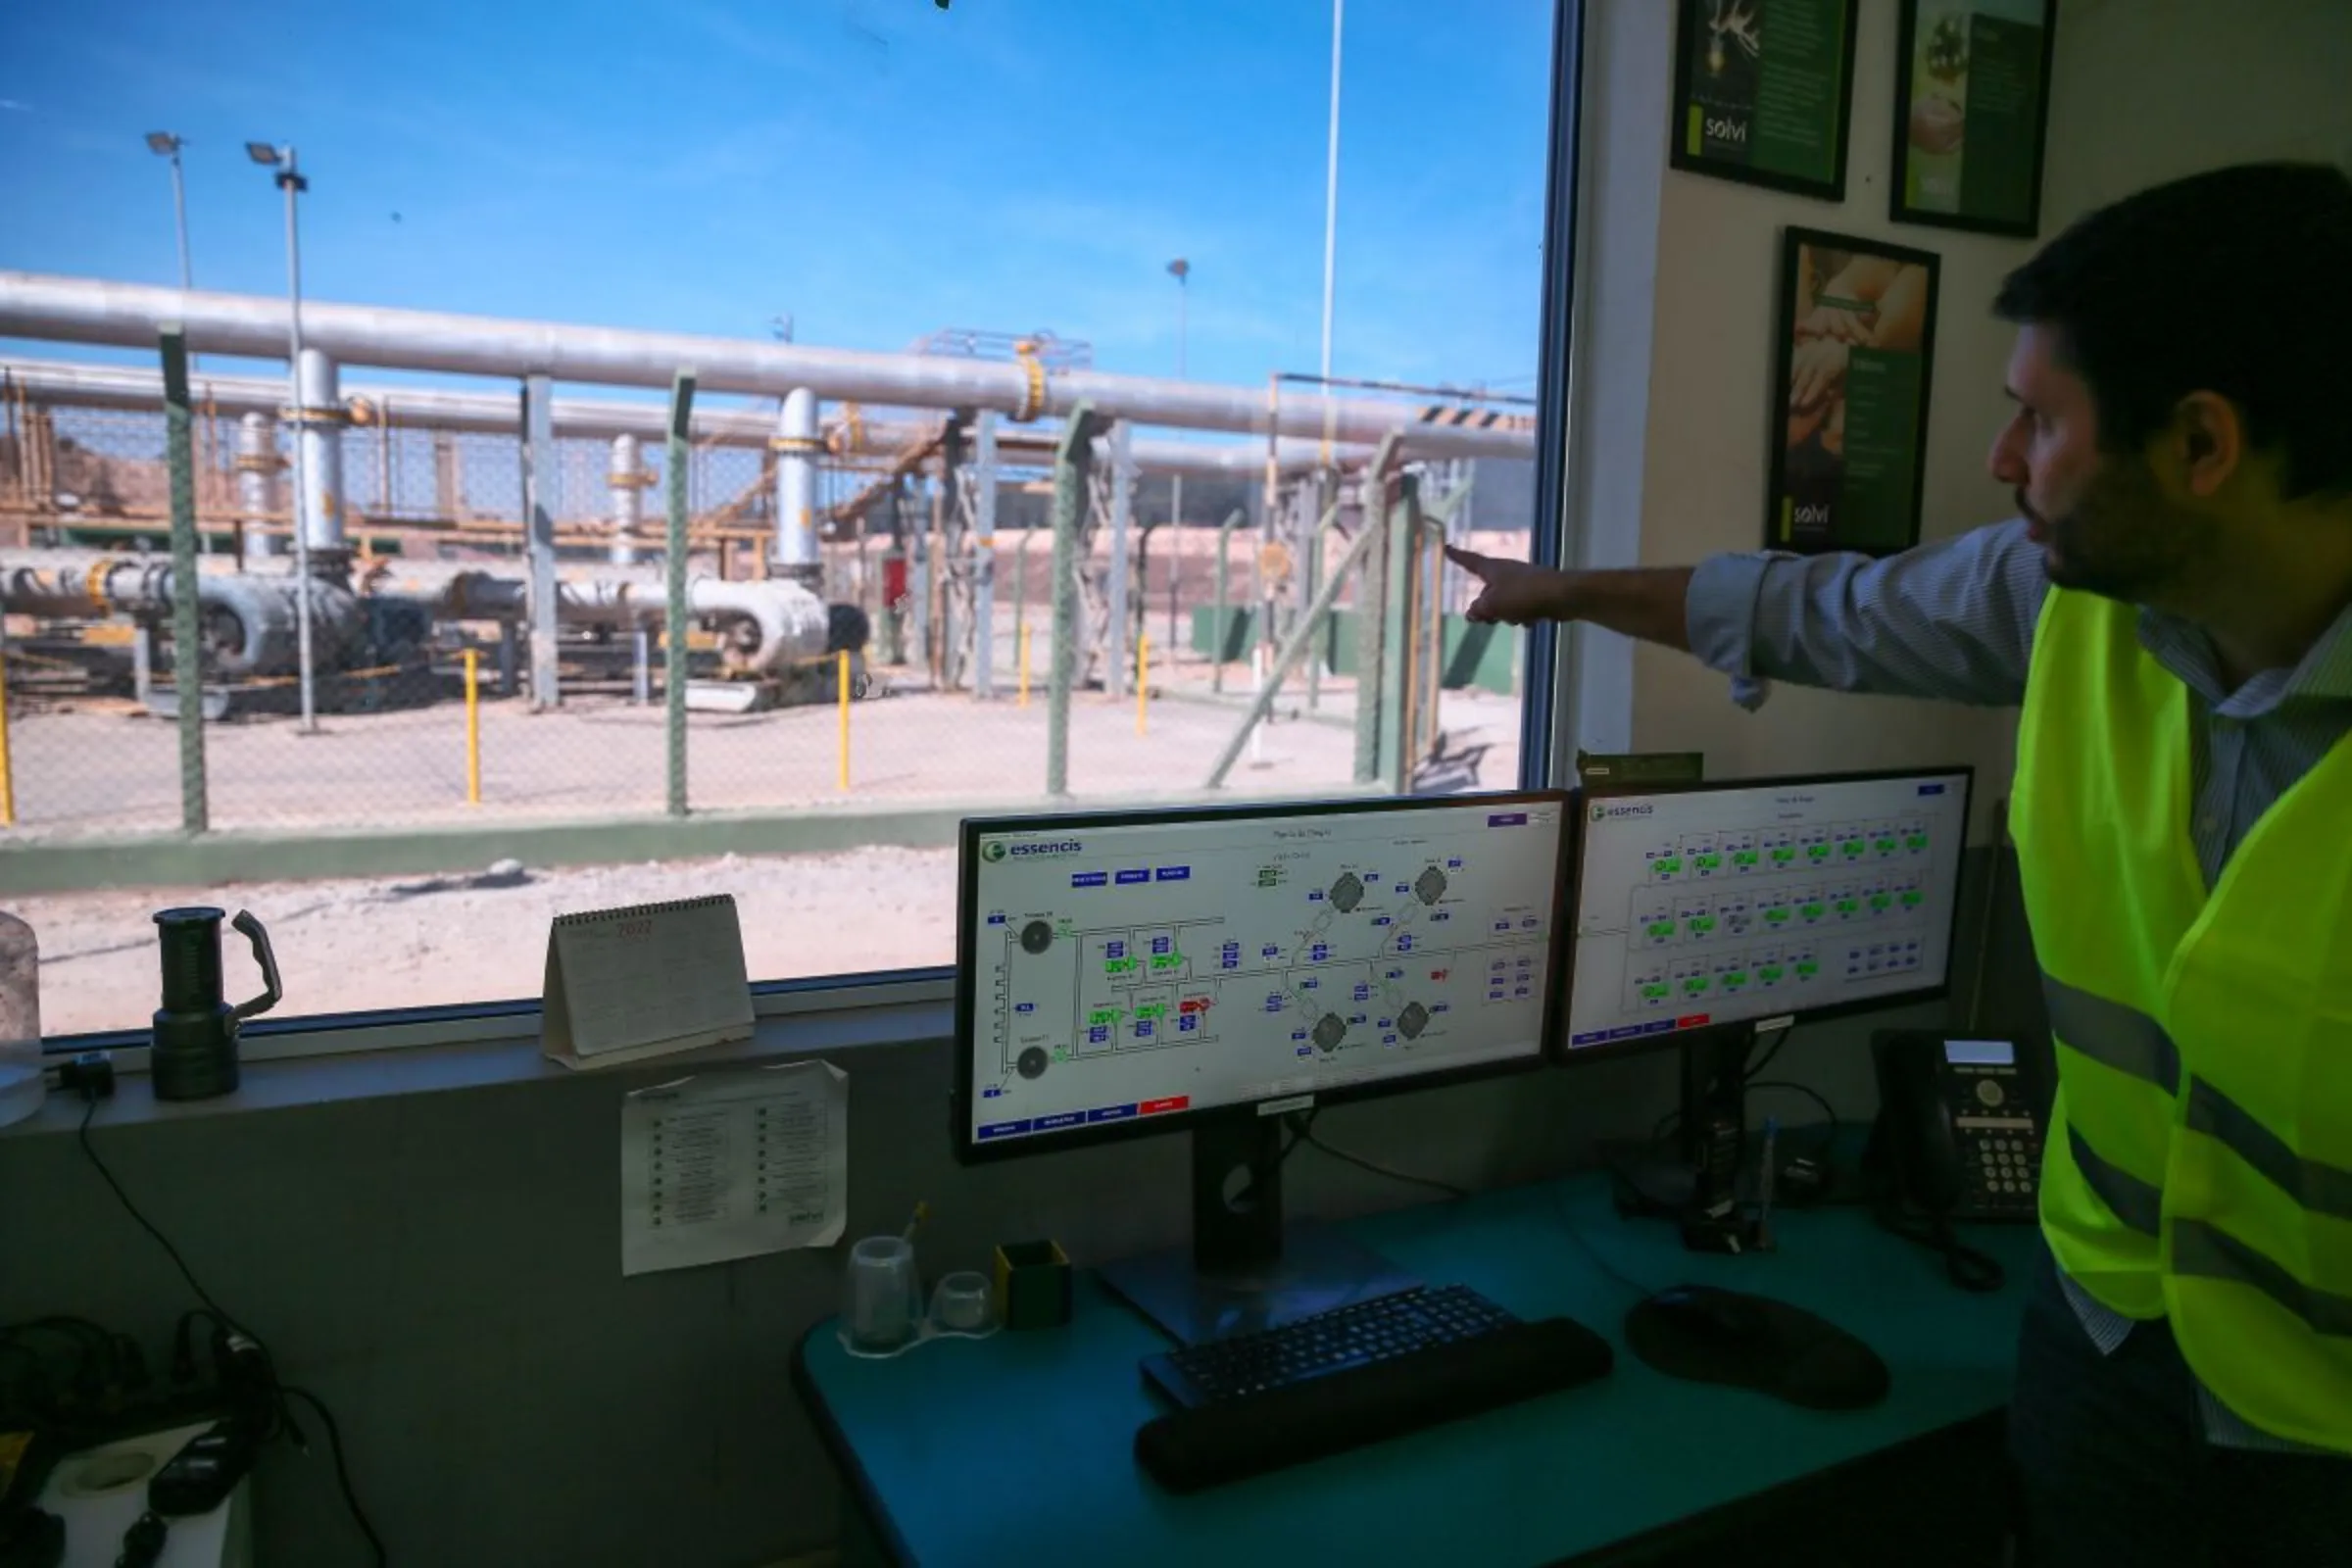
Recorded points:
(1708, 904)
(1123, 971)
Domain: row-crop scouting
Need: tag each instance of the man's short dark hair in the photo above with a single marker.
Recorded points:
(2238, 282)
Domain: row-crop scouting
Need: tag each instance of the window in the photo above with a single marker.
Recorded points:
(906, 249)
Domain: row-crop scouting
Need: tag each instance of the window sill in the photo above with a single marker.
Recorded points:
(290, 1070)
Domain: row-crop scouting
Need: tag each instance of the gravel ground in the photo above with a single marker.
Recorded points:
(403, 942)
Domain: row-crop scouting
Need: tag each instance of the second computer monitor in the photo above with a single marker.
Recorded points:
(1702, 905)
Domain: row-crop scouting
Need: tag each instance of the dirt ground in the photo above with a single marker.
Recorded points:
(349, 945)
(355, 944)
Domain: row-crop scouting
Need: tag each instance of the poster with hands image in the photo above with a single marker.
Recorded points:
(1856, 335)
(1970, 114)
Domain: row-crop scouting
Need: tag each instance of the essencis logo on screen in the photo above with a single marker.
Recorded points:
(1602, 811)
(998, 848)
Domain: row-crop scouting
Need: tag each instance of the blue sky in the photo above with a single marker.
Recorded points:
(877, 168)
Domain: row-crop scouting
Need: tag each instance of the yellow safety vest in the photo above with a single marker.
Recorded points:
(2199, 1161)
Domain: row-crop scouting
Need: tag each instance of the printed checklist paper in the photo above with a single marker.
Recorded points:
(624, 985)
(732, 1165)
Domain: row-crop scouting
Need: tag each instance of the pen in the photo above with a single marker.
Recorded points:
(922, 1211)
(1772, 1134)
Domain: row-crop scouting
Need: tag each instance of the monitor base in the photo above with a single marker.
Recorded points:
(1317, 1270)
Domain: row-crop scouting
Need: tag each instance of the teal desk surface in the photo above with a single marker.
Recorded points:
(1018, 1448)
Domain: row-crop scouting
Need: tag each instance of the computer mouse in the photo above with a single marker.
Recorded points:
(1709, 1334)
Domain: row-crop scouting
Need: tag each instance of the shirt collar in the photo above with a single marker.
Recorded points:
(2323, 675)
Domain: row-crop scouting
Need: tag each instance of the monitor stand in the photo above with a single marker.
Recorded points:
(1246, 1269)
(1699, 1185)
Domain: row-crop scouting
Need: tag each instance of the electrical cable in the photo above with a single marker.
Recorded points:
(279, 1392)
(1583, 1244)
(334, 1444)
(1829, 1112)
(1753, 1070)
(1307, 1135)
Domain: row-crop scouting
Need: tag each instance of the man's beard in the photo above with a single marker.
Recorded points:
(2122, 538)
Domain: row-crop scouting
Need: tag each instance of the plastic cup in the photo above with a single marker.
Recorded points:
(964, 1302)
(882, 1297)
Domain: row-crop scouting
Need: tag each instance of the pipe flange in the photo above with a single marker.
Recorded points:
(258, 463)
(639, 480)
(331, 416)
(1033, 382)
(805, 444)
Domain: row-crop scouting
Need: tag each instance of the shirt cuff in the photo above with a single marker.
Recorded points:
(1719, 615)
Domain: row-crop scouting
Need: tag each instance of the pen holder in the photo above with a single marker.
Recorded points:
(1033, 1284)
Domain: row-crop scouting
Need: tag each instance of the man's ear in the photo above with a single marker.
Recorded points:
(2205, 445)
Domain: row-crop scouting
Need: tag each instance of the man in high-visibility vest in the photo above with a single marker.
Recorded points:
(2172, 609)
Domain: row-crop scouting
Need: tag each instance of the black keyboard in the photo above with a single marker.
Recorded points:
(1362, 1334)
(1354, 1376)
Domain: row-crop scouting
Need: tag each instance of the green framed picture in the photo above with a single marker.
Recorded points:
(1857, 348)
(1972, 114)
(1763, 90)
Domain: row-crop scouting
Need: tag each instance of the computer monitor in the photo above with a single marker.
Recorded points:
(1706, 910)
(1207, 969)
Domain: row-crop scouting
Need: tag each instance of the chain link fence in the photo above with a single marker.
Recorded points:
(422, 672)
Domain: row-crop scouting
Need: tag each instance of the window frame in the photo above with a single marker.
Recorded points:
(1543, 716)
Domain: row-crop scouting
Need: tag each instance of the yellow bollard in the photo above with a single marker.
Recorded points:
(8, 769)
(473, 728)
(840, 663)
(1024, 702)
(1142, 678)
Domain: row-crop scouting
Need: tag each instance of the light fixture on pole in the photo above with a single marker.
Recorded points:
(290, 181)
(164, 144)
(1181, 271)
(1331, 191)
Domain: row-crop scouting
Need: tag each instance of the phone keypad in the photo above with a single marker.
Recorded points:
(2005, 1173)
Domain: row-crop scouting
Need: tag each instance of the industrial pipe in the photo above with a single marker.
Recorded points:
(765, 627)
(626, 478)
(117, 386)
(94, 311)
(249, 621)
(257, 465)
(318, 424)
(798, 447)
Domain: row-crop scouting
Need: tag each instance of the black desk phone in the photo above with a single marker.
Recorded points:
(1960, 1124)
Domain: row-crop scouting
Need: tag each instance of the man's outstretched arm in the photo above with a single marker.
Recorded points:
(1951, 621)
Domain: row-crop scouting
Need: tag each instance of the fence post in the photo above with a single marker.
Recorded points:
(676, 462)
(473, 728)
(1302, 636)
(1024, 656)
(840, 671)
(1402, 560)
(187, 636)
(1072, 464)
(539, 536)
(1122, 518)
(8, 768)
(1020, 584)
(984, 560)
(1371, 662)
(1217, 629)
(1142, 679)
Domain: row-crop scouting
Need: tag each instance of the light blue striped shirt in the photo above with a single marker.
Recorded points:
(1954, 620)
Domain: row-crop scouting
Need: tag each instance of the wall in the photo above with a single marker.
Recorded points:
(444, 1269)
(1712, 358)
(2153, 89)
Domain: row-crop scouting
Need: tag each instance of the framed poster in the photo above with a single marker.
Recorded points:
(1972, 112)
(1763, 90)
(1857, 351)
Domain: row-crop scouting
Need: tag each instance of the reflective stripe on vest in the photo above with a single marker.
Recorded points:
(2199, 1160)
